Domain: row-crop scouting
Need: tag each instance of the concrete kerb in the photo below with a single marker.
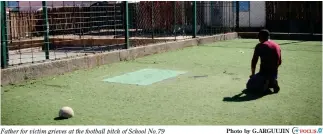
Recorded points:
(283, 36)
(26, 72)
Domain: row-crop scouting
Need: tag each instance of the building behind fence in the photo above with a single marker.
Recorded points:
(78, 28)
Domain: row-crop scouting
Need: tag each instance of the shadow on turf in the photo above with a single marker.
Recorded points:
(293, 42)
(59, 118)
(249, 96)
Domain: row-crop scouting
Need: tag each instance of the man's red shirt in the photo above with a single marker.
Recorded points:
(270, 55)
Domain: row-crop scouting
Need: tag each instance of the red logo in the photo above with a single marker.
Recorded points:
(307, 131)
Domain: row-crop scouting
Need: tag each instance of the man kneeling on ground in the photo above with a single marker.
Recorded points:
(270, 55)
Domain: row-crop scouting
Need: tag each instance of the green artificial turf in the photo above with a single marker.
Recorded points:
(213, 72)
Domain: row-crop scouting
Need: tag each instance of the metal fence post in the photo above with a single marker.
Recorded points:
(114, 20)
(174, 13)
(152, 19)
(289, 18)
(46, 30)
(126, 24)
(194, 19)
(4, 40)
(310, 15)
(237, 16)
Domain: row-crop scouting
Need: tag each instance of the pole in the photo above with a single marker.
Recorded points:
(237, 16)
(194, 19)
(289, 18)
(249, 14)
(46, 30)
(310, 17)
(4, 41)
(114, 20)
(126, 24)
(152, 19)
(174, 13)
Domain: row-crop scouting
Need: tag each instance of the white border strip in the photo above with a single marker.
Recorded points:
(160, 129)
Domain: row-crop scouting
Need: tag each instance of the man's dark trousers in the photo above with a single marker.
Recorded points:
(257, 82)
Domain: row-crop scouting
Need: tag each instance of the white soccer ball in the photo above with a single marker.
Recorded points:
(66, 112)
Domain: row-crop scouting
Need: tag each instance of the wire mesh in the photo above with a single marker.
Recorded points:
(81, 28)
(294, 16)
(78, 28)
(281, 16)
(215, 17)
(75, 29)
(158, 21)
(23, 44)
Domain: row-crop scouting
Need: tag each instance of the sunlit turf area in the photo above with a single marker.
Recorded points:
(184, 87)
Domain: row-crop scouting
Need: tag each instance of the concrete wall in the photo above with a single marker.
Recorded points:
(284, 36)
(27, 72)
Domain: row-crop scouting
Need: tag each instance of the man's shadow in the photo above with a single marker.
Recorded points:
(247, 95)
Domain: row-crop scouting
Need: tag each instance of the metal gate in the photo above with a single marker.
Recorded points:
(294, 16)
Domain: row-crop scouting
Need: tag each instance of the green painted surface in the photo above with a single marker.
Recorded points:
(144, 76)
(183, 100)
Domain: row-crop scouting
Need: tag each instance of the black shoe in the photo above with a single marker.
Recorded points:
(267, 92)
(276, 89)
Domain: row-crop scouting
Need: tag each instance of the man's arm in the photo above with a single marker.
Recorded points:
(280, 58)
(254, 60)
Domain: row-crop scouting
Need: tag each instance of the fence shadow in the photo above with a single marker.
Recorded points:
(293, 42)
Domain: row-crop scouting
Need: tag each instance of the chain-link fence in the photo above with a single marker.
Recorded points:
(215, 17)
(159, 21)
(294, 16)
(36, 31)
(281, 16)
(62, 29)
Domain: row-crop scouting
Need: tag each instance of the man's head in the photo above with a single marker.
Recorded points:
(263, 35)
